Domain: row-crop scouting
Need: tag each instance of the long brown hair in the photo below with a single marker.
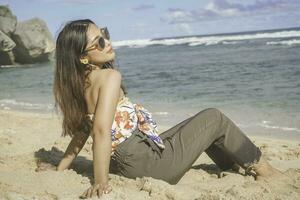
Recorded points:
(71, 77)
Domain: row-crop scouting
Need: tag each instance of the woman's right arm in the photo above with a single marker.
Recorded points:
(104, 114)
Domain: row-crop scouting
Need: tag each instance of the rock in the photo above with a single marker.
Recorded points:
(24, 42)
(6, 46)
(8, 21)
(34, 42)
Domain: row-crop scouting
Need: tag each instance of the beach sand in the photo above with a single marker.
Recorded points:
(27, 137)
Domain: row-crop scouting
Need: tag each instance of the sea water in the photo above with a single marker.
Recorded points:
(252, 77)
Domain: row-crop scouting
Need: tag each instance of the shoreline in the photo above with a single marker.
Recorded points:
(161, 127)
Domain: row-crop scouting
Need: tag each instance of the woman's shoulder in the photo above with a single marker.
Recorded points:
(101, 75)
(98, 78)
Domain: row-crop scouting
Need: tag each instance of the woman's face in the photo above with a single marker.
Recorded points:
(98, 56)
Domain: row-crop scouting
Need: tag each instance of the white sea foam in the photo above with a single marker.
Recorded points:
(8, 66)
(206, 40)
(285, 42)
(267, 124)
(8, 103)
(160, 113)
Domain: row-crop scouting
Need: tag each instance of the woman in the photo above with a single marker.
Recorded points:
(93, 101)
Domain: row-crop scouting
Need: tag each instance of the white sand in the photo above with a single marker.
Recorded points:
(26, 137)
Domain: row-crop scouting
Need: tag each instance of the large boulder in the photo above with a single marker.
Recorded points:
(6, 47)
(23, 42)
(8, 21)
(34, 42)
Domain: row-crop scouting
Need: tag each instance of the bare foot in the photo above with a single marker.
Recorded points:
(264, 171)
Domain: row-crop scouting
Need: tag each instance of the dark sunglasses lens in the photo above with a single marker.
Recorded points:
(106, 33)
(101, 42)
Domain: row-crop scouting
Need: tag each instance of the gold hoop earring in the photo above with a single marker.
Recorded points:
(84, 61)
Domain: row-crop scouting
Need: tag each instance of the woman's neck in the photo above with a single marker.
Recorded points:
(96, 66)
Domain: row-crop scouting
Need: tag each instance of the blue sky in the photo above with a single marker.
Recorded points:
(134, 19)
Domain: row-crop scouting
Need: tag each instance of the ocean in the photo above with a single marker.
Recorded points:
(252, 77)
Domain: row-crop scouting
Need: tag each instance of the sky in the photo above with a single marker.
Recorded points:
(133, 19)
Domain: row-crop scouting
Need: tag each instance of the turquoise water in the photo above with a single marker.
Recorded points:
(252, 77)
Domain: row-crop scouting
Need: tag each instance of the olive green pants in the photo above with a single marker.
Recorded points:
(208, 131)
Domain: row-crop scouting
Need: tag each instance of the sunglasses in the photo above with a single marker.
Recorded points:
(101, 41)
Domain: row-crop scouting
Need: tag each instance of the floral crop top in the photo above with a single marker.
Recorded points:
(128, 117)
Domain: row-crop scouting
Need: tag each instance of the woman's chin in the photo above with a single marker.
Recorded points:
(112, 55)
(104, 61)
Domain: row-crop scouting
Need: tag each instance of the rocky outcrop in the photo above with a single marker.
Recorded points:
(33, 41)
(8, 21)
(24, 42)
(6, 47)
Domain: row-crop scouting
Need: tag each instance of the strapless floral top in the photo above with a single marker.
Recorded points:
(128, 117)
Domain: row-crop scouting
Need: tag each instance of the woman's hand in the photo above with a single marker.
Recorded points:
(97, 189)
(42, 166)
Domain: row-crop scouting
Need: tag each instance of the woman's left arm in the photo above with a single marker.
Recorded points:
(72, 151)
